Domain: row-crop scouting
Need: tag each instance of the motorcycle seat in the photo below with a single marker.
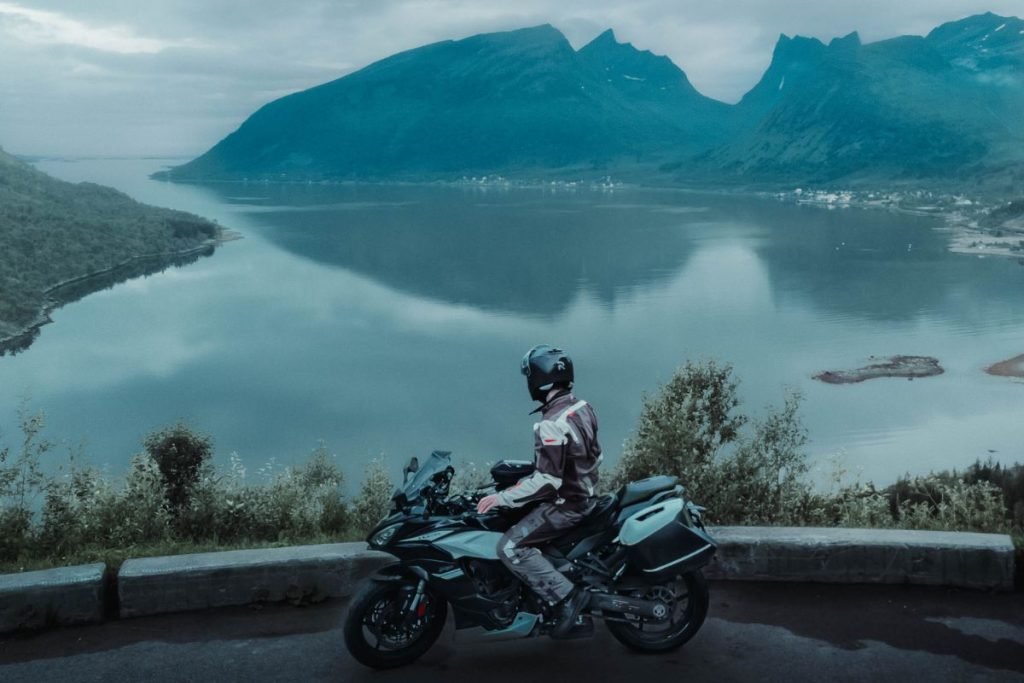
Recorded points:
(637, 491)
(600, 516)
(600, 511)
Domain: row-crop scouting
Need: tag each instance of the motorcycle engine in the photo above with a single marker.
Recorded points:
(491, 581)
(497, 585)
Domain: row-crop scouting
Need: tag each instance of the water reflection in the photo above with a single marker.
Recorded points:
(523, 253)
(531, 252)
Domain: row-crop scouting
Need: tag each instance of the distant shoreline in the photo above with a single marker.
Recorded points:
(21, 339)
(972, 220)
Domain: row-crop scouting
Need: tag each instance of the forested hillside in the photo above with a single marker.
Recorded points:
(53, 231)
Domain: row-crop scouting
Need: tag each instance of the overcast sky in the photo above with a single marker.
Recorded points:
(172, 77)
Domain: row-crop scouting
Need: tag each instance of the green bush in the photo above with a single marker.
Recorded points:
(470, 477)
(293, 503)
(21, 483)
(762, 477)
(683, 427)
(181, 454)
(84, 514)
(690, 429)
(949, 504)
(763, 481)
(373, 501)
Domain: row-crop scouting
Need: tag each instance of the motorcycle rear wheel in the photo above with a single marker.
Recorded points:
(378, 632)
(689, 608)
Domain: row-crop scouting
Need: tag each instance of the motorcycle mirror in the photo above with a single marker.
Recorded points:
(411, 468)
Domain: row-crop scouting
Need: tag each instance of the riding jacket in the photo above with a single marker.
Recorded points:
(566, 456)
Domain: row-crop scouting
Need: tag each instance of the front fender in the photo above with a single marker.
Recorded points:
(398, 572)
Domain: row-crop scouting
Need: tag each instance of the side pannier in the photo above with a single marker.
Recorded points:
(663, 540)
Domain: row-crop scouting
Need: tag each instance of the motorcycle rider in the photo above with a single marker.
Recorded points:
(566, 459)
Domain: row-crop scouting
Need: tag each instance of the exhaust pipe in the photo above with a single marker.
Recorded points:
(648, 609)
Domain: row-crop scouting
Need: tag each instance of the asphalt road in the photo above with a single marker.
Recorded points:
(755, 632)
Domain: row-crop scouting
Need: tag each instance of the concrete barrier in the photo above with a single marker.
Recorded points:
(68, 595)
(934, 558)
(157, 585)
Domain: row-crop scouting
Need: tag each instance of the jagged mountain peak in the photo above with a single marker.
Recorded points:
(850, 40)
(795, 44)
(605, 38)
(638, 70)
(803, 48)
(797, 60)
(606, 42)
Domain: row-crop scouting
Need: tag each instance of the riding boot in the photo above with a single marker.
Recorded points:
(568, 610)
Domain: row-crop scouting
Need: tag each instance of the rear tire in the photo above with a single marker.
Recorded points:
(377, 612)
(680, 628)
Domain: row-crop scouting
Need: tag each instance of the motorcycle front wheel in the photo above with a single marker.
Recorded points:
(382, 632)
(687, 598)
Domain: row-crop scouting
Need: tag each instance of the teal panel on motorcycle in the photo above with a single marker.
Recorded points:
(480, 544)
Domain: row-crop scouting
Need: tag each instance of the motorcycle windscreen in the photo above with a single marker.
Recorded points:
(435, 463)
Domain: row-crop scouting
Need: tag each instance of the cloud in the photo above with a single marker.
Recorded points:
(40, 26)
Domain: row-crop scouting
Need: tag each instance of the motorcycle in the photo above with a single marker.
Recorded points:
(638, 553)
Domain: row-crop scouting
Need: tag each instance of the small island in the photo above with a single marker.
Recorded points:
(1013, 367)
(910, 367)
(63, 241)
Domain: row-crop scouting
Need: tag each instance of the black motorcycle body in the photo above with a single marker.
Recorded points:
(638, 554)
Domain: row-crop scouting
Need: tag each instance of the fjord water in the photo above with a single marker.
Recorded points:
(391, 320)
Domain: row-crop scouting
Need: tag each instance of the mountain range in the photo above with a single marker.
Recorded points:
(945, 107)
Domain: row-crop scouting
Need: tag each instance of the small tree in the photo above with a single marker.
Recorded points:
(683, 426)
(181, 454)
(764, 480)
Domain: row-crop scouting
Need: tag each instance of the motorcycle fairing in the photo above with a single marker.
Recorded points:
(480, 544)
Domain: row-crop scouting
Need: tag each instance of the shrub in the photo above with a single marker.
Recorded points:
(683, 431)
(1009, 479)
(683, 426)
(763, 481)
(294, 503)
(180, 453)
(859, 506)
(374, 498)
(85, 515)
(15, 539)
(21, 482)
(950, 504)
(470, 477)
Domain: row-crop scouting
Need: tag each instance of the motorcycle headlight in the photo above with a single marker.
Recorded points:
(384, 536)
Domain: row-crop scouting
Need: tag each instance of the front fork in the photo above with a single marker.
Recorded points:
(417, 607)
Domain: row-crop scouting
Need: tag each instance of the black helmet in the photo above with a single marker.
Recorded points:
(544, 368)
